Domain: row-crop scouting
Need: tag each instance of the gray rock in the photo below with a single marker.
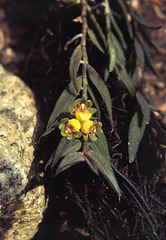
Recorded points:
(20, 214)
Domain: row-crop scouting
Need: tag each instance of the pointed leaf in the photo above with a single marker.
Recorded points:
(144, 106)
(118, 31)
(94, 40)
(139, 53)
(64, 143)
(74, 67)
(149, 61)
(69, 160)
(78, 84)
(121, 71)
(91, 165)
(124, 14)
(147, 36)
(112, 55)
(73, 146)
(103, 90)
(148, 58)
(93, 97)
(105, 168)
(119, 51)
(63, 103)
(137, 17)
(96, 25)
(134, 76)
(101, 146)
(136, 132)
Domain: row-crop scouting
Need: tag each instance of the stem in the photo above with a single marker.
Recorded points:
(107, 18)
(83, 45)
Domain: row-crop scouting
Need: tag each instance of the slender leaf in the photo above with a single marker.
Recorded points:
(119, 51)
(91, 165)
(101, 146)
(134, 76)
(64, 143)
(139, 53)
(149, 60)
(112, 55)
(121, 71)
(96, 25)
(69, 160)
(94, 40)
(105, 168)
(106, 74)
(124, 14)
(138, 18)
(64, 102)
(118, 31)
(136, 132)
(73, 146)
(93, 97)
(149, 38)
(144, 106)
(103, 90)
(74, 67)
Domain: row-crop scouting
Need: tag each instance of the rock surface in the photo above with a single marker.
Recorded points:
(20, 213)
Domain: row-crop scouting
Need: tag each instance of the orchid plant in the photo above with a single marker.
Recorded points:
(82, 136)
(80, 125)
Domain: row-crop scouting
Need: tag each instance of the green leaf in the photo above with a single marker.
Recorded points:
(124, 14)
(147, 36)
(144, 106)
(101, 146)
(78, 84)
(96, 25)
(119, 51)
(136, 132)
(103, 90)
(63, 103)
(73, 146)
(139, 53)
(149, 61)
(104, 167)
(74, 67)
(134, 76)
(69, 160)
(94, 40)
(138, 18)
(91, 165)
(112, 55)
(94, 100)
(123, 75)
(148, 58)
(118, 31)
(64, 143)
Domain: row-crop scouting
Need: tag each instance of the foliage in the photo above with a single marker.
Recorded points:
(124, 54)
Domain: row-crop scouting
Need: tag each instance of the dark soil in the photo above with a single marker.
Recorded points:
(81, 205)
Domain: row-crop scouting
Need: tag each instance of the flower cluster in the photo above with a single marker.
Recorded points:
(84, 124)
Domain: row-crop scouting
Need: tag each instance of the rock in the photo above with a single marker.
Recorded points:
(20, 213)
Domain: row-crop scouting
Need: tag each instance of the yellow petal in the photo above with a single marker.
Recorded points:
(85, 126)
(83, 116)
(75, 123)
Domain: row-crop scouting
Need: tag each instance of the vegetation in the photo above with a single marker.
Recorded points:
(106, 49)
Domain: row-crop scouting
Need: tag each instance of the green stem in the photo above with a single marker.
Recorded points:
(107, 18)
(84, 52)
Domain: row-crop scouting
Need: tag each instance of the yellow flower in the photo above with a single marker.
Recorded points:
(85, 126)
(75, 123)
(83, 116)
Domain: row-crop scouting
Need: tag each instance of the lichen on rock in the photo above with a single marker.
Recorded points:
(19, 126)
